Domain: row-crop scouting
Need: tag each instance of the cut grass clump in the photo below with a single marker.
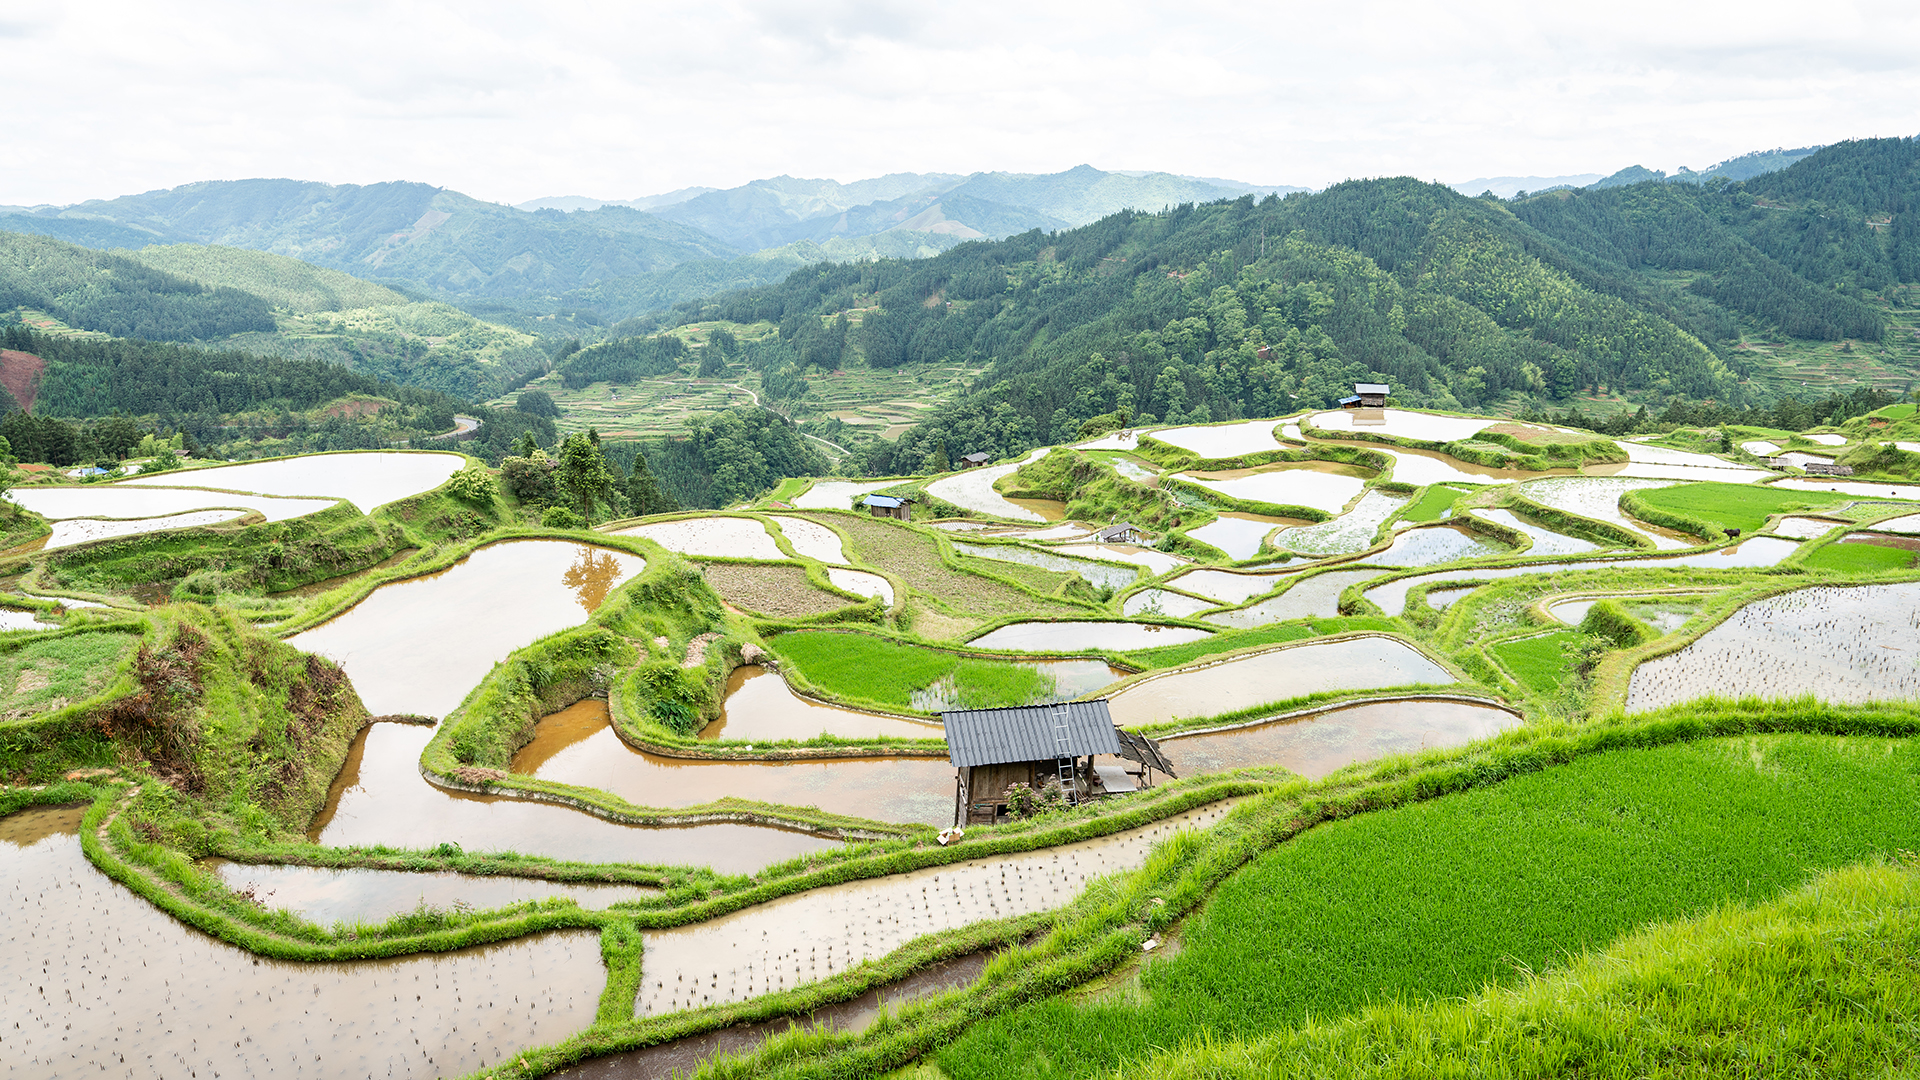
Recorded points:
(873, 671)
(1732, 506)
(1859, 558)
(1539, 663)
(1438, 899)
(46, 673)
(781, 591)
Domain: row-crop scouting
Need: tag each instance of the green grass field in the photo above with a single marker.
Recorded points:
(1441, 899)
(915, 558)
(1432, 505)
(50, 673)
(1814, 983)
(856, 667)
(1736, 506)
(1539, 663)
(1860, 558)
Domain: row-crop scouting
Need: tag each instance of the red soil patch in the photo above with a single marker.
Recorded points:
(20, 374)
(353, 410)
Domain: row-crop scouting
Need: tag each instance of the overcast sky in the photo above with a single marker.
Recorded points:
(616, 100)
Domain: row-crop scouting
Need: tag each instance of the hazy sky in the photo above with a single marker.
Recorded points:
(616, 100)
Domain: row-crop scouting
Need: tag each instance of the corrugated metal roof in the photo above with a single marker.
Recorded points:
(885, 502)
(1026, 733)
(1369, 388)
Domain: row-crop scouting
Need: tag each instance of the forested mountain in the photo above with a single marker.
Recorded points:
(1744, 167)
(439, 240)
(1254, 307)
(115, 295)
(283, 282)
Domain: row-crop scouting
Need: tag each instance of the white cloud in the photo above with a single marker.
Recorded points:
(511, 101)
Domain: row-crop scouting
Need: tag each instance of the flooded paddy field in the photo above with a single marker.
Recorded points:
(1155, 562)
(1316, 597)
(759, 706)
(122, 502)
(1908, 524)
(1103, 575)
(98, 981)
(1545, 541)
(1434, 544)
(812, 935)
(1229, 587)
(1431, 467)
(1065, 679)
(1755, 552)
(367, 479)
(1863, 489)
(1322, 485)
(1839, 644)
(419, 645)
(861, 582)
(1316, 745)
(1241, 536)
(1165, 602)
(1402, 424)
(812, 539)
(325, 896)
(1282, 674)
(973, 490)
(381, 798)
(578, 746)
(1350, 532)
(721, 537)
(1806, 528)
(838, 494)
(83, 530)
(1665, 613)
(1222, 440)
(1067, 637)
(680, 1057)
(1599, 498)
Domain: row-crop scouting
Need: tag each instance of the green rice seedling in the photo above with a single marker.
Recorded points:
(1445, 898)
(1542, 662)
(1432, 505)
(1859, 558)
(1734, 506)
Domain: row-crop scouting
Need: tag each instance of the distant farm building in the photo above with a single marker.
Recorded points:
(1123, 533)
(976, 459)
(1372, 395)
(890, 506)
(993, 749)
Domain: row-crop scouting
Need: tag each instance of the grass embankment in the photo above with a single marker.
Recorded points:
(46, 672)
(1226, 641)
(1442, 898)
(1727, 506)
(865, 670)
(1823, 981)
(913, 557)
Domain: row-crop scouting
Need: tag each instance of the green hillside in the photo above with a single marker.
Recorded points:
(96, 290)
(279, 280)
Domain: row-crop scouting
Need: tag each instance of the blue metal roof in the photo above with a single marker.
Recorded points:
(885, 502)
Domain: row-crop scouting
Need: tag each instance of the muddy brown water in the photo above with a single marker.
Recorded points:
(1360, 663)
(1241, 536)
(97, 981)
(814, 935)
(1316, 745)
(577, 745)
(325, 896)
(682, 1056)
(419, 645)
(760, 706)
(380, 798)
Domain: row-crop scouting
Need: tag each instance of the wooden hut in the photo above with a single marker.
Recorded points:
(1123, 533)
(1372, 395)
(976, 459)
(993, 749)
(890, 506)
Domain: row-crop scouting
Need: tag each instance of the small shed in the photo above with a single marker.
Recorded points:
(1372, 395)
(1123, 533)
(994, 749)
(1350, 402)
(890, 506)
(976, 459)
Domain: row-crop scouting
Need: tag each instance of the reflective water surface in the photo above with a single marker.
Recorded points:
(325, 896)
(419, 645)
(1361, 663)
(1316, 745)
(367, 479)
(760, 706)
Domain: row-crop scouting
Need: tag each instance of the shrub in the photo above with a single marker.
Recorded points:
(559, 517)
(472, 485)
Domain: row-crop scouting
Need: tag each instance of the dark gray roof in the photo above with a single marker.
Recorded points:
(1026, 733)
(1145, 751)
(978, 455)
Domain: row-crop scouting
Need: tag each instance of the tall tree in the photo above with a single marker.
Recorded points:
(583, 476)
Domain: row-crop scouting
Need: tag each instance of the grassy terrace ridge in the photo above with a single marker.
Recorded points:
(1723, 506)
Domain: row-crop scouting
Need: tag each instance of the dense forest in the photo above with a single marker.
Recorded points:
(1247, 308)
(727, 457)
(95, 290)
